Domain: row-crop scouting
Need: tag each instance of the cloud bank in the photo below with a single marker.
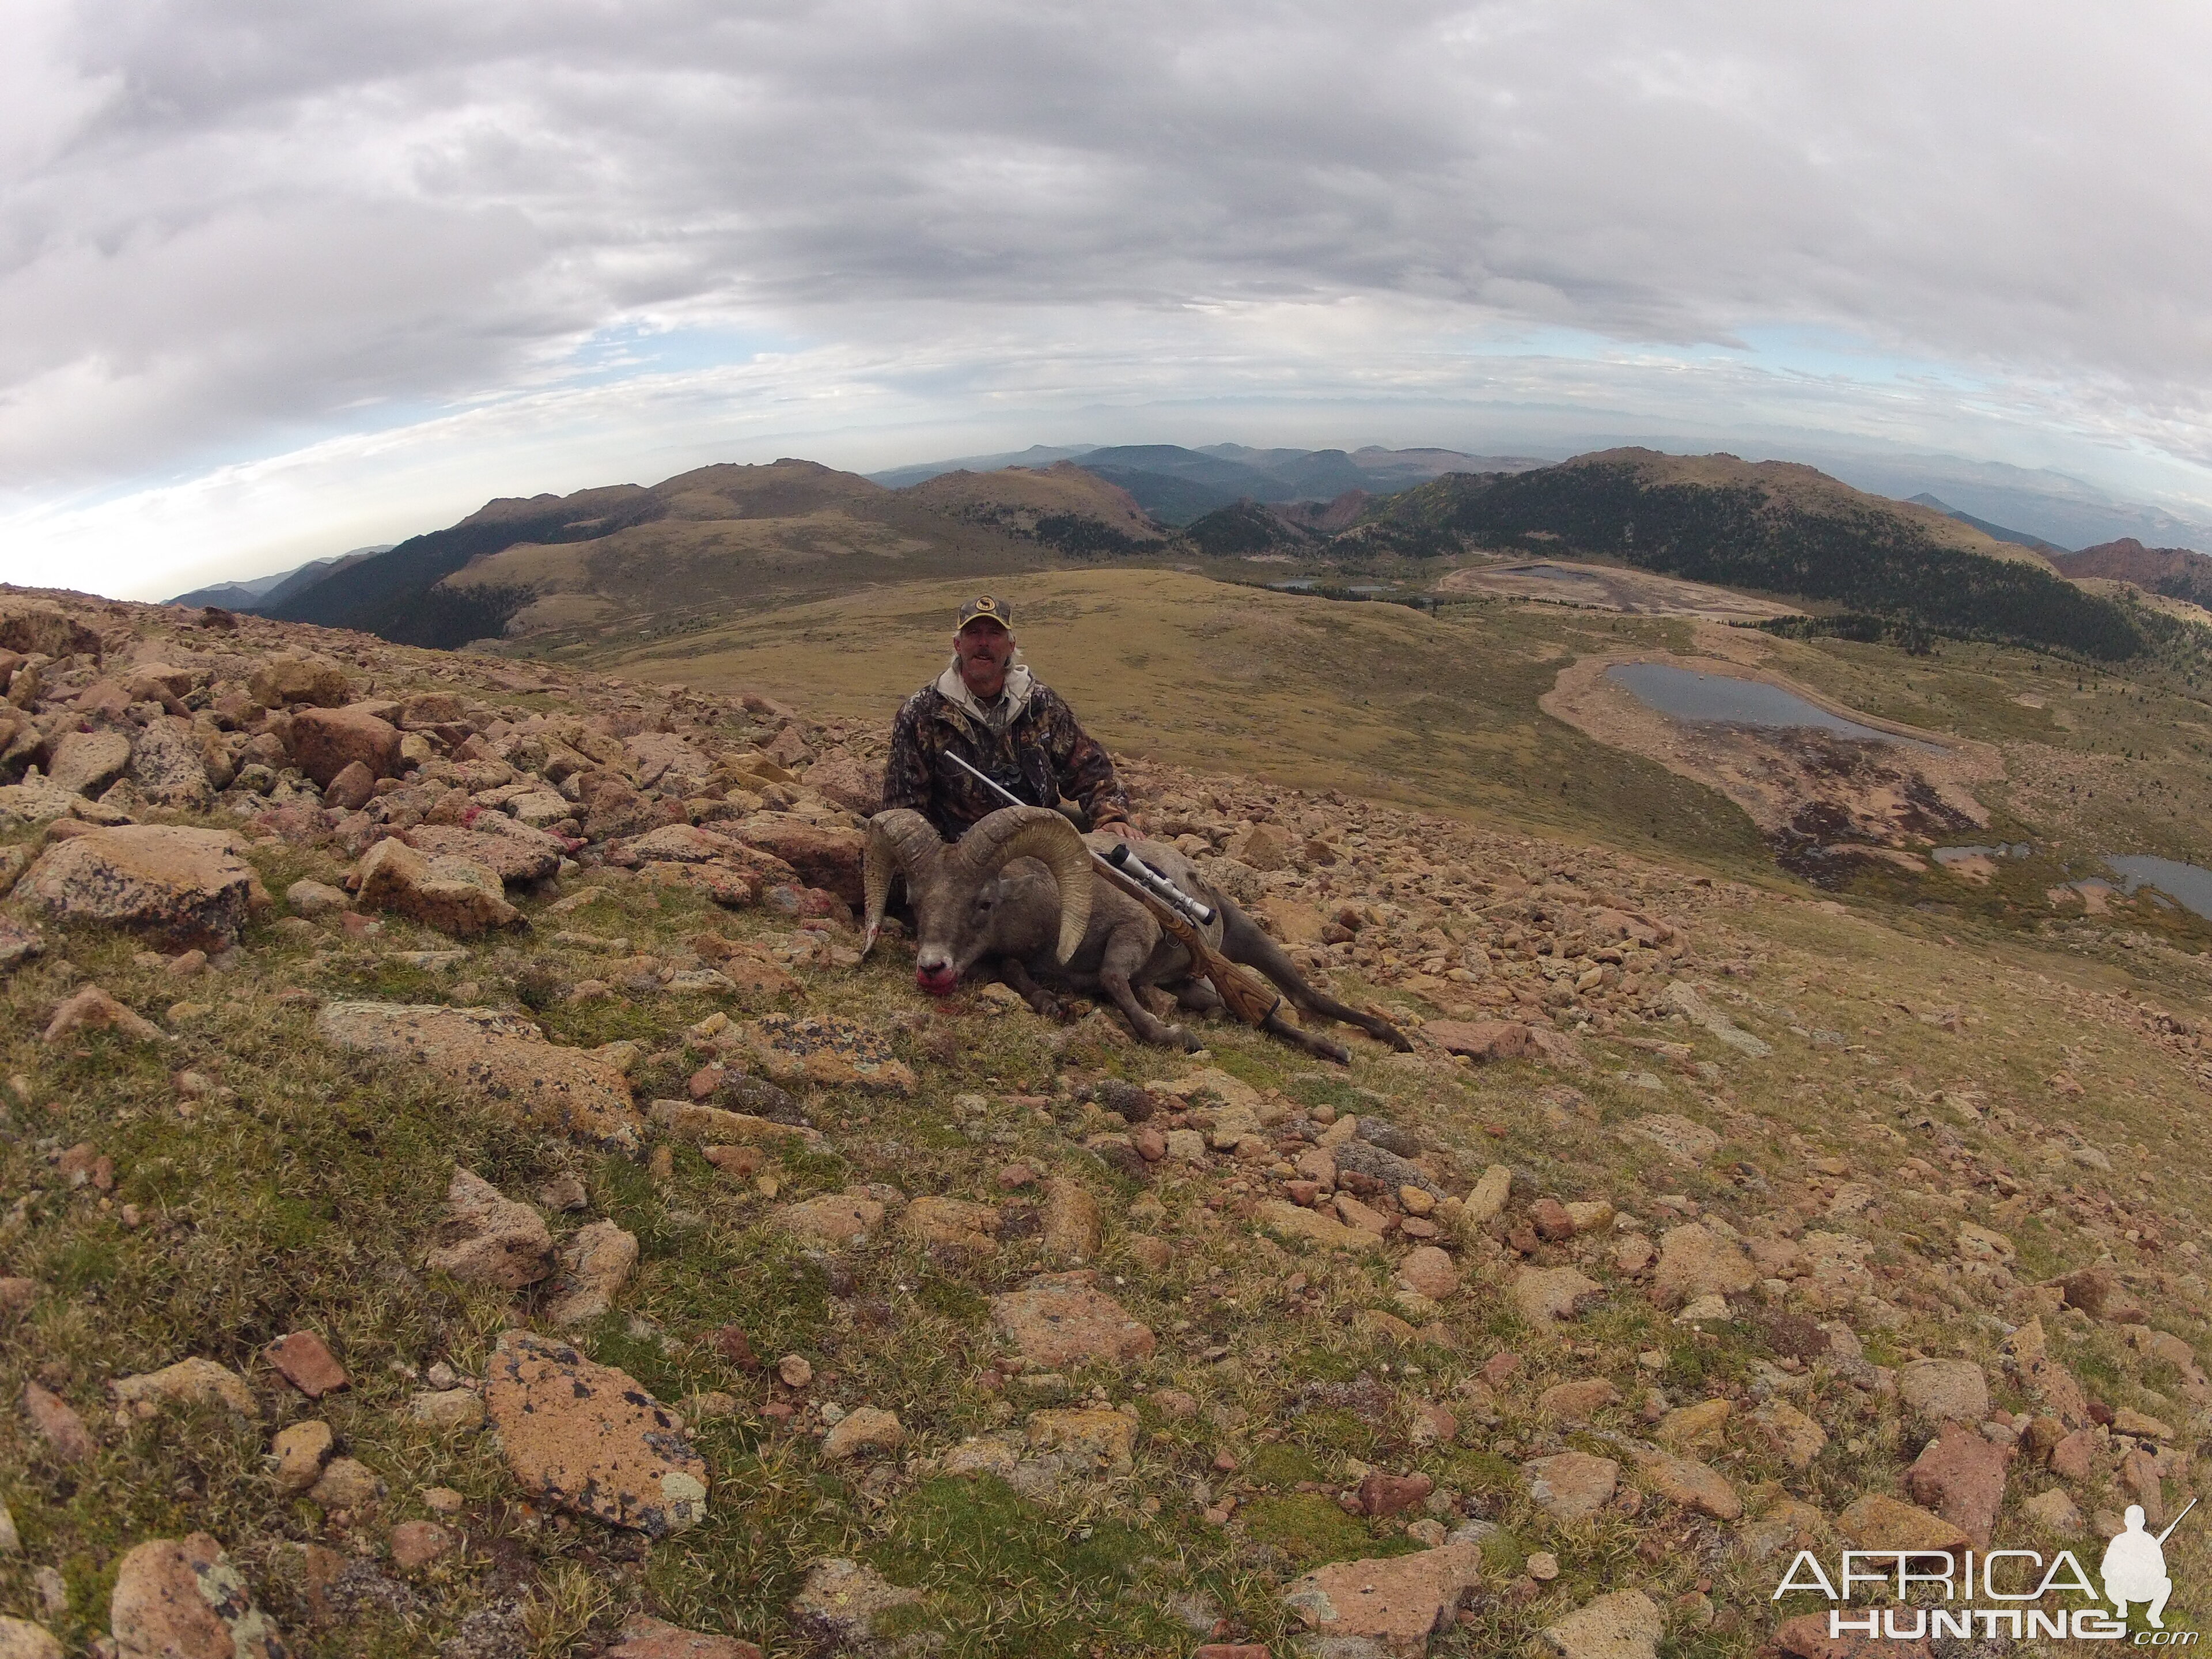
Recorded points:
(274, 280)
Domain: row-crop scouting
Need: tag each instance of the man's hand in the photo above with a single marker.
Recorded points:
(1125, 832)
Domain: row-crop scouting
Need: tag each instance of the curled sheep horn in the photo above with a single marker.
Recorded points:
(897, 839)
(1039, 833)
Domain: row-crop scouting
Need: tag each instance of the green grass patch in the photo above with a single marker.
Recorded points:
(1004, 1575)
(811, 1170)
(1322, 1091)
(1709, 1360)
(1482, 1471)
(1259, 1071)
(1310, 1528)
(1335, 1430)
(1279, 1463)
(1503, 1554)
(948, 1298)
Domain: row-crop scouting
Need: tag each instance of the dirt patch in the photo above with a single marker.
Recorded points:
(1605, 588)
(1824, 801)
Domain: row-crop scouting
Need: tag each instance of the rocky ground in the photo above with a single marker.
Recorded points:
(459, 1194)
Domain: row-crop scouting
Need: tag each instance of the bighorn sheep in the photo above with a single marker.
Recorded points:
(1017, 892)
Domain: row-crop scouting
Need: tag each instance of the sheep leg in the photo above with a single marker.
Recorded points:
(1148, 1026)
(1127, 951)
(1244, 941)
(1015, 973)
(1198, 996)
(1313, 1043)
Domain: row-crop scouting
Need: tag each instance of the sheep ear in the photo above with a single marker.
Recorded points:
(897, 839)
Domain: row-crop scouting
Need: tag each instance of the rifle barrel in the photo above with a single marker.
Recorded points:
(2177, 1520)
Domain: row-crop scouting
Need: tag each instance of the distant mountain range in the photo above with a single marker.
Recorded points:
(1994, 532)
(2065, 511)
(1177, 486)
(647, 561)
(267, 592)
(1154, 492)
(734, 535)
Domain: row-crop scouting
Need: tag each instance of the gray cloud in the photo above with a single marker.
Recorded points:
(231, 227)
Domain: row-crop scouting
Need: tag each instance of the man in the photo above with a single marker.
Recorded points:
(988, 708)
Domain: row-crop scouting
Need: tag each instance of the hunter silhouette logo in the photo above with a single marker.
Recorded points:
(1999, 1593)
(2134, 1567)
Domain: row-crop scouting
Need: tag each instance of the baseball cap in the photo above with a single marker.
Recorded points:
(989, 609)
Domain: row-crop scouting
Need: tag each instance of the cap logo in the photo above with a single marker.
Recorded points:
(983, 607)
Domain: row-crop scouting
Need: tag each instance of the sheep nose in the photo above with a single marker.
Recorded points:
(935, 974)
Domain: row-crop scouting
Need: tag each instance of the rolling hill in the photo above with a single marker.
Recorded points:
(707, 541)
(1772, 527)
(1063, 506)
(1036, 457)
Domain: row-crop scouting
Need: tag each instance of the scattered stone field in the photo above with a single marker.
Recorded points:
(462, 1194)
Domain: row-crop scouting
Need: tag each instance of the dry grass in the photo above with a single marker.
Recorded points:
(1376, 700)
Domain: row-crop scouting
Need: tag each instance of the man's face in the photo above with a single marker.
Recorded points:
(984, 648)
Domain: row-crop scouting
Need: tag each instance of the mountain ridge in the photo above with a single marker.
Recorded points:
(721, 535)
(1774, 527)
(679, 552)
(2175, 573)
(1995, 532)
(264, 592)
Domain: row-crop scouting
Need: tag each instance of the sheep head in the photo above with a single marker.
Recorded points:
(964, 907)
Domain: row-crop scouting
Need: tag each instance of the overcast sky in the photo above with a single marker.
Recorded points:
(276, 280)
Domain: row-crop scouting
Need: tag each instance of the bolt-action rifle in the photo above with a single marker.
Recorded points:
(1246, 994)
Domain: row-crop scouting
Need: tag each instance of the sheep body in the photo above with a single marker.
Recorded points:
(994, 905)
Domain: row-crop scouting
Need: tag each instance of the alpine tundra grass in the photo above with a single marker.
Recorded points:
(1916, 1127)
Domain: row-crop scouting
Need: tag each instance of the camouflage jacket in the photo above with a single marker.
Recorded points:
(1030, 744)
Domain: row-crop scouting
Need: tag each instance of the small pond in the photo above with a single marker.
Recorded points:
(1689, 696)
(2189, 885)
